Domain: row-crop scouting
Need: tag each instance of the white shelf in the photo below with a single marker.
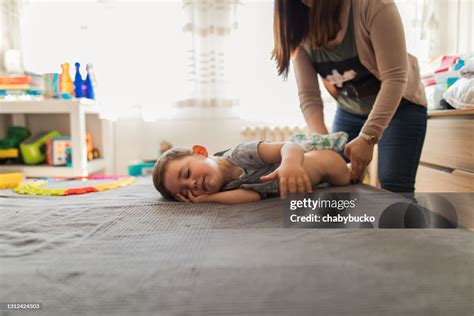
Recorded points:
(51, 171)
(76, 109)
(46, 106)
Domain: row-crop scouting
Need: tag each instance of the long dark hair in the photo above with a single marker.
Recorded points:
(293, 21)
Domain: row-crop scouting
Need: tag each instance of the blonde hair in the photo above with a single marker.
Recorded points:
(160, 169)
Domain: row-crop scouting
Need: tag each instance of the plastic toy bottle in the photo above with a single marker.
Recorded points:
(90, 83)
(78, 82)
(67, 87)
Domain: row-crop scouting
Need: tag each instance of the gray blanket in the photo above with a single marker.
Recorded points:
(127, 252)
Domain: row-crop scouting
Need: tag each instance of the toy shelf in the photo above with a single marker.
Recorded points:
(93, 166)
(45, 106)
(77, 110)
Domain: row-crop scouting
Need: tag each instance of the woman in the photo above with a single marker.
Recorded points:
(358, 48)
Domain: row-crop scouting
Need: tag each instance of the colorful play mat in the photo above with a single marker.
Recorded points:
(36, 187)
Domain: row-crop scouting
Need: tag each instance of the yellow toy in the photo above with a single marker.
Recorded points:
(66, 87)
(36, 187)
(9, 153)
(10, 180)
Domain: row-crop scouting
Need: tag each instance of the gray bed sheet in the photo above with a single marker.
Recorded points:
(127, 252)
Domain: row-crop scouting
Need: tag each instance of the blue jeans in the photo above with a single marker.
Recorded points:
(400, 146)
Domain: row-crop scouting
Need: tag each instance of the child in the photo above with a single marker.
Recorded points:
(250, 171)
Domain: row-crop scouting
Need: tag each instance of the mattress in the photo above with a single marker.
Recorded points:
(127, 251)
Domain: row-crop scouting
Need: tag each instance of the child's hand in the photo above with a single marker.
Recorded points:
(193, 198)
(292, 178)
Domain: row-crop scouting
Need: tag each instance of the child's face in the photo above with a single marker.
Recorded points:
(195, 173)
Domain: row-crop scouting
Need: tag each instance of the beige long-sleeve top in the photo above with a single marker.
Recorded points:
(380, 42)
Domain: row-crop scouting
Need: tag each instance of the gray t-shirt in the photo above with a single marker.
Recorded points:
(246, 157)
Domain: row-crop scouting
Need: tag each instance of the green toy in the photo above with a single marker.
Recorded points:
(9, 145)
(15, 135)
(33, 150)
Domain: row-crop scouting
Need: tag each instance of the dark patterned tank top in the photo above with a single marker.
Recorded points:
(349, 82)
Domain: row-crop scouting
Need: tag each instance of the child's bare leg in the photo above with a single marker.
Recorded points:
(326, 165)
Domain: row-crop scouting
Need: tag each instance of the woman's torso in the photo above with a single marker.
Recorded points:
(353, 86)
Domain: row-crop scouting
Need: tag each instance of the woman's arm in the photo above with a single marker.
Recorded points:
(308, 91)
(388, 40)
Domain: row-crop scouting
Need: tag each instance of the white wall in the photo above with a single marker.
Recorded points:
(135, 139)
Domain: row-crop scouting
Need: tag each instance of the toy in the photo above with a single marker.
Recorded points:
(15, 135)
(78, 82)
(56, 150)
(92, 153)
(141, 168)
(9, 153)
(9, 145)
(24, 84)
(69, 156)
(66, 86)
(51, 85)
(36, 187)
(89, 83)
(10, 180)
(33, 150)
(95, 153)
(164, 146)
(90, 146)
(14, 79)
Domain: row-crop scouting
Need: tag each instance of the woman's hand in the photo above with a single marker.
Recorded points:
(360, 152)
(292, 178)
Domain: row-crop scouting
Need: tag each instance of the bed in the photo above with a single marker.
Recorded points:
(128, 252)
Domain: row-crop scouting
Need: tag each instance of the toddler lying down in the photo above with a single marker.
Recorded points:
(251, 171)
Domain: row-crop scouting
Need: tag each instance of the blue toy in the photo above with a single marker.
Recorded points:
(78, 82)
(89, 83)
(69, 156)
(141, 168)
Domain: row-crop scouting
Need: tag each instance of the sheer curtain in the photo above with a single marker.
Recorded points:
(265, 98)
(209, 25)
(10, 37)
(437, 27)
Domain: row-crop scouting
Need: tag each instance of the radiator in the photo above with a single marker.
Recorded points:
(270, 133)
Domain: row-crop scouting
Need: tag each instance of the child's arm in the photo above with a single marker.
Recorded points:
(291, 174)
(276, 152)
(238, 196)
